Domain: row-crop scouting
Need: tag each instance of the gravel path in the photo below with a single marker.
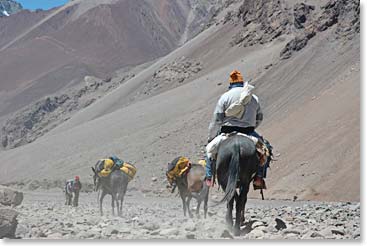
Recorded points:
(43, 215)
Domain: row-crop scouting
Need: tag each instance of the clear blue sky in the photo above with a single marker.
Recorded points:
(41, 4)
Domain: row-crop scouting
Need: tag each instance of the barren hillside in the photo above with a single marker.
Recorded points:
(85, 37)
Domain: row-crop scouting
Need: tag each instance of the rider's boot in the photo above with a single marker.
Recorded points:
(259, 182)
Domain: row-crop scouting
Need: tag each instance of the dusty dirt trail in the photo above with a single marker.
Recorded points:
(150, 215)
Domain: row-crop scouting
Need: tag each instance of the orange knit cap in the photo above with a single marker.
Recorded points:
(235, 77)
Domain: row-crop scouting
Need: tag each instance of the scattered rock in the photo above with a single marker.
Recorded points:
(169, 232)
(226, 234)
(268, 66)
(257, 224)
(301, 12)
(316, 234)
(151, 226)
(295, 44)
(10, 197)
(328, 231)
(85, 235)
(337, 232)
(170, 75)
(280, 224)
(8, 222)
(190, 226)
(256, 234)
(357, 234)
(291, 231)
(56, 235)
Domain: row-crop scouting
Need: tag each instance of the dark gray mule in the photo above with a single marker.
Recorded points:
(115, 185)
(237, 163)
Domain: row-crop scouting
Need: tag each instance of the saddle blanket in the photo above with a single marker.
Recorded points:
(262, 150)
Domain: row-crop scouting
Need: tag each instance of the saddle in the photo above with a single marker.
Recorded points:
(262, 150)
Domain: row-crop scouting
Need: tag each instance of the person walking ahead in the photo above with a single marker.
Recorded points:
(72, 189)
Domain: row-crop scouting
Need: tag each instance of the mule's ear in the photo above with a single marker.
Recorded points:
(94, 170)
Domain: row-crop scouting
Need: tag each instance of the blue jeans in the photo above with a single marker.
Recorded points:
(261, 171)
(208, 167)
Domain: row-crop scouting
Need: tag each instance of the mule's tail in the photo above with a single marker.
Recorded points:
(233, 173)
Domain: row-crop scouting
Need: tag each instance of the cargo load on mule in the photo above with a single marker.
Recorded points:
(106, 166)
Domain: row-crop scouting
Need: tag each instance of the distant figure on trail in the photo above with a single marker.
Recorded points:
(238, 110)
(72, 189)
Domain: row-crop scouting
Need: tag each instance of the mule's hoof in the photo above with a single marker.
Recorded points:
(236, 232)
(229, 222)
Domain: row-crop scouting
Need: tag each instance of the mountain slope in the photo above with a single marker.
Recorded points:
(102, 38)
(94, 38)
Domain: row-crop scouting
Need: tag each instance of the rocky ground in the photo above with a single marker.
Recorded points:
(43, 215)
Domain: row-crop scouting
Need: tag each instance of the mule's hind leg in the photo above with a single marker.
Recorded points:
(101, 202)
(198, 207)
(183, 198)
(242, 223)
(240, 209)
(229, 217)
(117, 205)
(244, 206)
(206, 198)
(188, 205)
(121, 199)
(113, 199)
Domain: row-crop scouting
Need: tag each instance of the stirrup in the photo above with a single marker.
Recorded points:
(259, 186)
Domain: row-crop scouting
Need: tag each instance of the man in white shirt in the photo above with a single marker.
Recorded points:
(247, 123)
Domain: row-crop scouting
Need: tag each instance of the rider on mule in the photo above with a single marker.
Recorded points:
(248, 121)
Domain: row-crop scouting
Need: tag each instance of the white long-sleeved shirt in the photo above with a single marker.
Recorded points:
(252, 116)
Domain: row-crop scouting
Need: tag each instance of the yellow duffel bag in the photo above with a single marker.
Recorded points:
(107, 167)
(129, 169)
